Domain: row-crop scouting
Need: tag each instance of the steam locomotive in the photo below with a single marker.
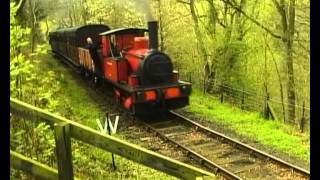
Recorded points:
(142, 78)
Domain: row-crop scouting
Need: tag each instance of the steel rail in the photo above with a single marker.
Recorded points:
(243, 146)
(202, 160)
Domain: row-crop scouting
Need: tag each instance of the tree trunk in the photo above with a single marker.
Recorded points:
(289, 49)
(280, 83)
(200, 42)
(288, 24)
(70, 14)
(47, 29)
(20, 6)
(74, 13)
(84, 13)
(213, 18)
(33, 25)
(240, 21)
(161, 46)
(291, 85)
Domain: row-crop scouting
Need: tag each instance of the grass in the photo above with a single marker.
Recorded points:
(73, 101)
(274, 134)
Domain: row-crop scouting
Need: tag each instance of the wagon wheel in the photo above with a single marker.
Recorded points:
(82, 71)
(97, 81)
(96, 78)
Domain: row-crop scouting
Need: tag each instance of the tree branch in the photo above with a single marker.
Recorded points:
(20, 6)
(281, 9)
(303, 47)
(170, 21)
(299, 42)
(183, 2)
(253, 20)
(277, 5)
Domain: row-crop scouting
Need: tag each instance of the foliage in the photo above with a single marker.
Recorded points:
(236, 45)
(18, 34)
(19, 66)
(41, 139)
(231, 67)
(34, 139)
(113, 13)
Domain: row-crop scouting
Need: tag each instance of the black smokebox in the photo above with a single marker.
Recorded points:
(153, 34)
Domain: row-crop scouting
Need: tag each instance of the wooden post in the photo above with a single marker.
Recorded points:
(109, 132)
(204, 85)
(302, 119)
(242, 99)
(221, 89)
(63, 150)
(271, 111)
(266, 108)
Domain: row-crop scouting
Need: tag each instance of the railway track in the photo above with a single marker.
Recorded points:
(223, 155)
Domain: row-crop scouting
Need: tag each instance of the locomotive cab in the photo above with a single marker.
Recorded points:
(114, 43)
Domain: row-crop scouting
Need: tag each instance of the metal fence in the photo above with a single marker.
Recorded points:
(252, 101)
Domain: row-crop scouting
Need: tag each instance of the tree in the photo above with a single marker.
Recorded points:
(286, 11)
(200, 40)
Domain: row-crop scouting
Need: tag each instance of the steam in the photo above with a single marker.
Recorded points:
(144, 7)
(141, 6)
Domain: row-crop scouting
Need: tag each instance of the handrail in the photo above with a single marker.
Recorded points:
(18, 161)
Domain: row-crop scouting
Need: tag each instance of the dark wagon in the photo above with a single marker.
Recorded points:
(66, 42)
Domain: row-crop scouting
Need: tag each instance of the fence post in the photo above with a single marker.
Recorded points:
(266, 108)
(109, 132)
(302, 121)
(221, 89)
(204, 86)
(242, 99)
(63, 151)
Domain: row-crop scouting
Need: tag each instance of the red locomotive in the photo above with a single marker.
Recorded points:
(142, 77)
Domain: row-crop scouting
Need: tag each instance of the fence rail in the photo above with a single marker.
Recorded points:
(66, 129)
(18, 161)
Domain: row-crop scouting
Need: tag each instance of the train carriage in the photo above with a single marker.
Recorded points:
(66, 42)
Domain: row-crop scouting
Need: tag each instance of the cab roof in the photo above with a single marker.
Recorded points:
(124, 31)
(74, 31)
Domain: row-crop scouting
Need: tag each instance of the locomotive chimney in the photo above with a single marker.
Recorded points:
(153, 34)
